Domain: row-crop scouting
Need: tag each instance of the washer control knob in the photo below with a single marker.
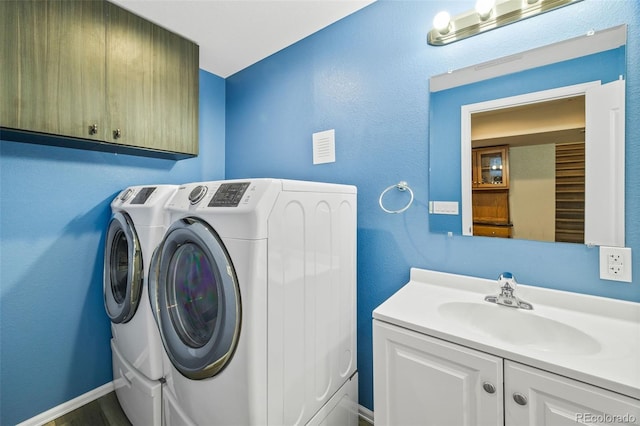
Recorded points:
(197, 194)
(126, 194)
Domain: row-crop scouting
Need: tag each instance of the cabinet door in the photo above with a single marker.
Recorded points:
(52, 66)
(420, 380)
(492, 231)
(491, 168)
(152, 85)
(538, 398)
(490, 207)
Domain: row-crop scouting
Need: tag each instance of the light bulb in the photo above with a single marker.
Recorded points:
(484, 8)
(442, 22)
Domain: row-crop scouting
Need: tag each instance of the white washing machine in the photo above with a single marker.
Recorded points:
(137, 225)
(254, 292)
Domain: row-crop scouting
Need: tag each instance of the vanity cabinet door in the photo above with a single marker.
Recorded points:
(52, 66)
(152, 85)
(420, 380)
(538, 398)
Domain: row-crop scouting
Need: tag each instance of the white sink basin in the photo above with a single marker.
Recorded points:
(591, 339)
(520, 327)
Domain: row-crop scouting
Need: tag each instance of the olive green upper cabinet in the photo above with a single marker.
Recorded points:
(152, 84)
(94, 71)
(53, 66)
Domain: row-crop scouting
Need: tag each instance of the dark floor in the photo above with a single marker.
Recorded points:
(106, 411)
(363, 422)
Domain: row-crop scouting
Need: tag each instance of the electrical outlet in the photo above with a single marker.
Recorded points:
(615, 263)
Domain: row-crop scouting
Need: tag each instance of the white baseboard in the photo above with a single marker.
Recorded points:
(365, 413)
(68, 406)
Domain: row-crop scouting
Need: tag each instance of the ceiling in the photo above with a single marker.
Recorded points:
(234, 34)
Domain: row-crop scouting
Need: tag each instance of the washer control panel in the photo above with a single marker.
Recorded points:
(140, 195)
(143, 195)
(229, 194)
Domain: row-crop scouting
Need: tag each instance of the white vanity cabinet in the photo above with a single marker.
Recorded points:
(535, 397)
(419, 380)
(424, 381)
(444, 355)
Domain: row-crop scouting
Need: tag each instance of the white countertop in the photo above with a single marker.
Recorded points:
(614, 364)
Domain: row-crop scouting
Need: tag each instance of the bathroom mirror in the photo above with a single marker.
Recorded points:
(487, 117)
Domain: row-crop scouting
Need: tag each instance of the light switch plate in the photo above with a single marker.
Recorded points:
(443, 207)
(615, 263)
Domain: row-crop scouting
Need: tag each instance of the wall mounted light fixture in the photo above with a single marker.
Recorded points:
(487, 15)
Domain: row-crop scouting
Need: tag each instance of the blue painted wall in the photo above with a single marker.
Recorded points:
(54, 211)
(367, 77)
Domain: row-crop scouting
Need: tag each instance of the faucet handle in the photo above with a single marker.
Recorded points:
(508, 278)
(507, 284)
(506, 275)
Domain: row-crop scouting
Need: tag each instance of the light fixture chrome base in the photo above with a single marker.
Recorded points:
(503, 13)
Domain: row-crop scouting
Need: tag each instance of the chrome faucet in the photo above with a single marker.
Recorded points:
(508, 285)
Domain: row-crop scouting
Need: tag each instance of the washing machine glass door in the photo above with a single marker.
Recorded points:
(195, 296)
(123, 269)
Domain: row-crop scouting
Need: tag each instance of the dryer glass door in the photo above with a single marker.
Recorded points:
(195, 296)
(123, 270)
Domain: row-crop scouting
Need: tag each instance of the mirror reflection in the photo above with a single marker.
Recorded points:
(522, 170)
(528, 171)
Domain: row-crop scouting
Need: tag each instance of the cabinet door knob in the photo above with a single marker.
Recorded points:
(93, 129)
(488, 387)
(520, 399)
(117, 133)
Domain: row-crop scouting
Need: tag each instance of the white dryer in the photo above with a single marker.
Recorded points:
(254, 291)
(137, 225)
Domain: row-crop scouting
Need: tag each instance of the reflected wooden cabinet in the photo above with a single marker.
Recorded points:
(490, 167)
(492, 230)
(92, 71)
(490, 195)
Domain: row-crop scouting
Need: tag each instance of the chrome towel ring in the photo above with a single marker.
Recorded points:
(400, 186)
